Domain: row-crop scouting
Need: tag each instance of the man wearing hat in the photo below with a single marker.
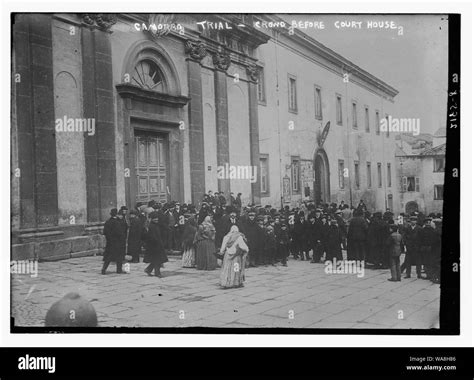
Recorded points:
(315, 237)
(342, 227)
(115, 242)
(135, 236)
(155, 254)
(252, 233)
(357, 237)
(283, 244)
(427, 239)
(412, 256)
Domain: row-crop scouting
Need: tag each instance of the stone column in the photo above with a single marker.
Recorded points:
(196, 52)
(252, 72)
(36, 120)
(222, 62)
(98, 103)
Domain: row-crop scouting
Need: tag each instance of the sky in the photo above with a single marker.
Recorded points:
(415, 63)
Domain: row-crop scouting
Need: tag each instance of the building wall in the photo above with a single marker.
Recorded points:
(429, 180)
(421, 167)
(67, 71)
(279, 59)
(125, 42)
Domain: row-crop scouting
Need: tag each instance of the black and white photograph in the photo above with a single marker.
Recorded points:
(241, 171)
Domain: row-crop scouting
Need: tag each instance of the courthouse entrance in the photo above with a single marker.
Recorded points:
(151, 166)
(321, 177)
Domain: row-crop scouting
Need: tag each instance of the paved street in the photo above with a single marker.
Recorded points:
(300, 295)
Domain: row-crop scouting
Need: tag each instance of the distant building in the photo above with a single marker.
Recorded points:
(421, 176)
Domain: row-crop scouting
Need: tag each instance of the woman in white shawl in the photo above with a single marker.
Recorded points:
(234, 249)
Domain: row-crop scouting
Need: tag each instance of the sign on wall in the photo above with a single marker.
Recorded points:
(307, 177)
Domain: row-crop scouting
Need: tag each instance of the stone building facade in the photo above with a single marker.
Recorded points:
(168, 109)
(351, 159)
(421, 176)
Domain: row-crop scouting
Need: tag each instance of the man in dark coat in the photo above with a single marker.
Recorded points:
(357, 237)
(155, 254)
(178, 216)
(412, 256)
(122, 217)
(253, 234)
(238, 203)
(115, 242)
(299, 236)
(269, 246)
(203, 212)
(261, 259)
(372, 239)
(135, 237)
(222, 199)
(334, 241)
(427, 238)
(314, 237)
(283, 244)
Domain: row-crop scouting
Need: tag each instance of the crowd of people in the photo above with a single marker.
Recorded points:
(241, 237)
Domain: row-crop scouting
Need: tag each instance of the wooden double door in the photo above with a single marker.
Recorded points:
(151, 166)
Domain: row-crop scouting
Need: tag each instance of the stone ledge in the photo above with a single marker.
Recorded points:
(32, 236)
(59, 249)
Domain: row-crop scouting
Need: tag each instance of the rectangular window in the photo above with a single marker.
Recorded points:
(357, 174)
(369, 175)
(341, 174)
(295, 174)
(411, 184)
(261, 86)
(318, 108)
(367, 124)
(354, 115)
(339, 109)
(389, 175)
(264, 182)
(390, 202)
(379, 174)
(377, 123)
(388, 129)
(438, 192)
(439, 163)
(292, 103)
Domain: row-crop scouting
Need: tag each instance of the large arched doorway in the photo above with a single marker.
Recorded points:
(321, 177)
(152, 109)
(411, 207)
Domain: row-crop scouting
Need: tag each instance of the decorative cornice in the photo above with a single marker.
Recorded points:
(195, 49)
(221, 60)
(336, 62)
(102, 21)
(252, 72)
(127, 90)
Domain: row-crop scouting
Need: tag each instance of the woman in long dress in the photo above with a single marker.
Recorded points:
(205, 246)
(235, 252)
(190, 228)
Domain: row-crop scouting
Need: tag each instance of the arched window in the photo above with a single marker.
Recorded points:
(148, 76)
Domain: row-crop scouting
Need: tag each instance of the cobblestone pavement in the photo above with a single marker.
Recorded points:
(300, 295)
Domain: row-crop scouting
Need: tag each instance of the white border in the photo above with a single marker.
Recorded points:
(248, 6)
